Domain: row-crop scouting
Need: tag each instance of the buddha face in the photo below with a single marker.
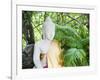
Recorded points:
(48, 29)
(50, 32)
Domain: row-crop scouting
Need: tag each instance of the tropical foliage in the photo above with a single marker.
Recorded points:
(72, 32)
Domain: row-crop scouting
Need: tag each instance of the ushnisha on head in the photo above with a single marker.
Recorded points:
(48, 29)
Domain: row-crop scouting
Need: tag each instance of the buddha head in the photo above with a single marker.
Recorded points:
(48, 29)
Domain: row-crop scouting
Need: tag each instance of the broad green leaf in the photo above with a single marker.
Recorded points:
(75, 57)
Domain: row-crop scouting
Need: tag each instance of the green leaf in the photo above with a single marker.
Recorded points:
(75, 57)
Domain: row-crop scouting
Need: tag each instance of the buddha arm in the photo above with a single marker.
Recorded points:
(36, 57)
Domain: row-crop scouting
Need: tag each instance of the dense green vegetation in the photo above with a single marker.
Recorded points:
(72, 31)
